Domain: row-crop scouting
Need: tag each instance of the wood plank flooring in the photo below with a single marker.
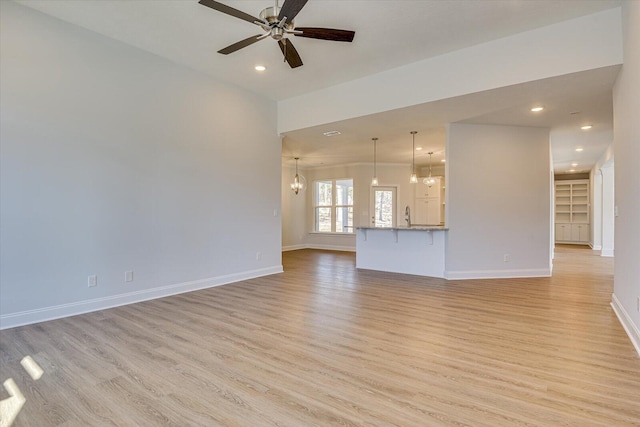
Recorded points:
(325, 344)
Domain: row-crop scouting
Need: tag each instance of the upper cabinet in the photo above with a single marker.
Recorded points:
(423, 190)
(429, 202)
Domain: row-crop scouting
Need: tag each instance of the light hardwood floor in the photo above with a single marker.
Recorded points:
(324, 344)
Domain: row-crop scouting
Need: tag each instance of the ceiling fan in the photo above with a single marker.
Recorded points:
(277, 23)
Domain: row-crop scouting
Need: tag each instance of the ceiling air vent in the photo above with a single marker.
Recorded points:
(331, 133)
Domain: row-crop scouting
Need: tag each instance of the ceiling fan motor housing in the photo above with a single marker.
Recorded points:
(270, 15)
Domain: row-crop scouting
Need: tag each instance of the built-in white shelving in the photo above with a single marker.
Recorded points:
(572, 211)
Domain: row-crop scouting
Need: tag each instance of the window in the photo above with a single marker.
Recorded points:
(333, 206)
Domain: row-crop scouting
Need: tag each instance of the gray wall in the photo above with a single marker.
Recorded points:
(113, 160)
(626, 145)
(499, 193)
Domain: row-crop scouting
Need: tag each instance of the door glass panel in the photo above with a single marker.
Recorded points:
(383, 207)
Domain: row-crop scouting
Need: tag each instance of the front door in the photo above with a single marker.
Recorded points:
(383, 206)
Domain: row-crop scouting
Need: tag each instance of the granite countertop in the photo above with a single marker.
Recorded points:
(417, 227)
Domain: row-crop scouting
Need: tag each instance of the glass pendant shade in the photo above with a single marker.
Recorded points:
(299, 183)
(413, 179)
(374, 180)
(429, 181)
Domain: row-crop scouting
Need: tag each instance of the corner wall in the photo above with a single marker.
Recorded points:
(499, 202)
(626, 144)
(294, 224)
(114, 160)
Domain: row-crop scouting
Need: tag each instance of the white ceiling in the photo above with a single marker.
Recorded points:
(388, 34)
(588, 93)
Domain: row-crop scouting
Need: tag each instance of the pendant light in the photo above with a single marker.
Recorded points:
(374, 180)
(414, 178)
(298, 184)
(429, 181)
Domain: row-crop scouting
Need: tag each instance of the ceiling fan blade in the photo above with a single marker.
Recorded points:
(239, 45)
(290, 53)
(290, 9)
(326, 34)
(228, 10)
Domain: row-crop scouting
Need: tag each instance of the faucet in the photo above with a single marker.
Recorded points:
(407, 215)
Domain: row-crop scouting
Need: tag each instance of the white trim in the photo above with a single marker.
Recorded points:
(356, 164)
(596, 247)
(606, 252)
(333, 233)
(497, 274)
(319, 247)
(293, 247)
(625, 320)
(71, 309)
(331, 247)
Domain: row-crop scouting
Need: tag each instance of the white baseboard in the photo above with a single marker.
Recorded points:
(606, 252)
(65, 310)
(332, 248)
(625, 320)
(319, 247)
(596, 247)
(497, 274)
(293, 247)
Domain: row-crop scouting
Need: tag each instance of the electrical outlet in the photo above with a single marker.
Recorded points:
(92, 281)
(128, 276)
(506, 258)
(258, 255)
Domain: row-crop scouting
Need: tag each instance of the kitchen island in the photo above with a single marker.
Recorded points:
(415, 250)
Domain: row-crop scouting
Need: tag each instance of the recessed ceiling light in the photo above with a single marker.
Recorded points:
(537, 109)
(418, 148)
(572, 170)
(260, 68)
(574, 164)
(586, 127)
(579, 149)
(443, 160)
(331, 133)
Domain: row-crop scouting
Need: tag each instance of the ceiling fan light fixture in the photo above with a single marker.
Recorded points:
(278, 23)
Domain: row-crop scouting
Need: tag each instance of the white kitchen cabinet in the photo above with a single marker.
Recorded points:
(427, 211)
(423, 190)
(428, 202)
